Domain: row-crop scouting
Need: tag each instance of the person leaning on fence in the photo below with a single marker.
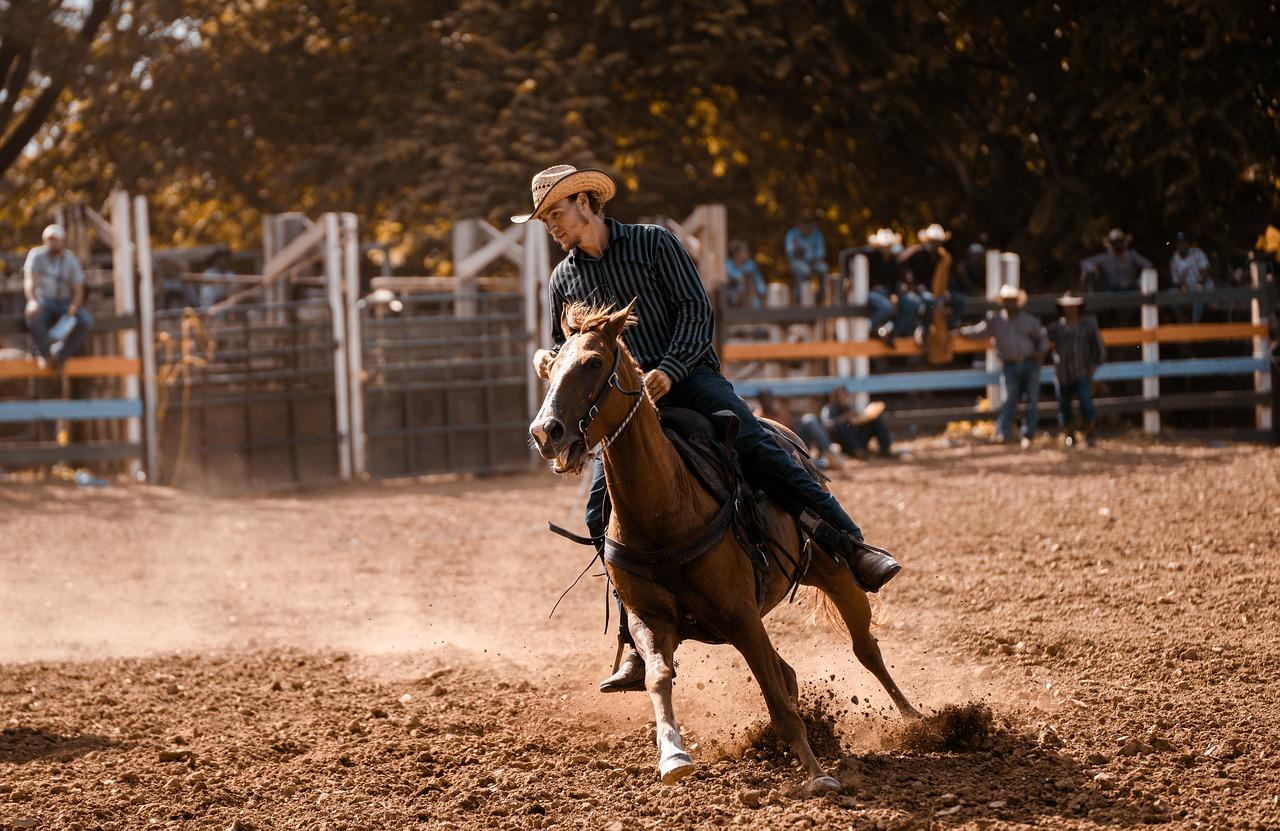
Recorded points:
(809, 428)
(806, 251)
(746, 285)
(54, 284)
(1021, 345)
(854, 430)
(1189, 271)
(1117, 268)
(1077, 353)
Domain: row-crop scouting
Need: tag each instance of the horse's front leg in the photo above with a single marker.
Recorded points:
(656, 642)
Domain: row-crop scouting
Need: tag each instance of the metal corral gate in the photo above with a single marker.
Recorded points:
(446, 385)
(249, 397)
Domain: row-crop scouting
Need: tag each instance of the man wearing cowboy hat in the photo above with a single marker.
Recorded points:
(1118, 267)
(1021, 346)
(609, 263)
(881, 252)
(1077, 353)
(53, 282)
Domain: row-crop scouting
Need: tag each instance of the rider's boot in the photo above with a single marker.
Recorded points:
(628, 666)
(872, 567)
(628, 674)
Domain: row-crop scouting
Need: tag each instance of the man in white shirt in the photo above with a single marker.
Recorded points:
(54, 284)
(1189, 271)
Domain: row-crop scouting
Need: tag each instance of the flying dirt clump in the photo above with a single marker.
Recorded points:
(953, 728)
(820, 721)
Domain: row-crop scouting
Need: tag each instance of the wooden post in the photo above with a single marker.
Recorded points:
(464, 244)
(1262, 378)
(337, 316)
(355, 339)
(861, 325)
(1150, 355)
(537, 320)
(992, 363)
(122, 276)
(147, 328)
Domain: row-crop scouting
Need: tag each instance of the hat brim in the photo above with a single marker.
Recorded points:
(1020, 297)
(589, 179)
(1070, 301)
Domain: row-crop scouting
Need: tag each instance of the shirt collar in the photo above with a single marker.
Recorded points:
(617, 233)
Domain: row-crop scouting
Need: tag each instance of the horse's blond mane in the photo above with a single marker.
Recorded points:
(585, 317)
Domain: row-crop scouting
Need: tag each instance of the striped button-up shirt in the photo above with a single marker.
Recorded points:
(1077, 348)
(674, 317)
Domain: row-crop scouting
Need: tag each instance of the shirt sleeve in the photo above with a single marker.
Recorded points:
(555, 306)
(29, 272)
(820, 250)
(789, 243)
(1041, 339)
(682, 288)
(979, 329)
(1141, 261)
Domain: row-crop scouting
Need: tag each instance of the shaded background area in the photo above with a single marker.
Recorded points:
(1032, 126)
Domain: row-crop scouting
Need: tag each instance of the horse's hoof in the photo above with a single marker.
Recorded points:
(675, 767)
(819, 785)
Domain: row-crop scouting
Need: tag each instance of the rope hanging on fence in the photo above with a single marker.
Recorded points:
(178, 368)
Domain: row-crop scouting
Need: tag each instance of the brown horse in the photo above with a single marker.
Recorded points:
(658, 503)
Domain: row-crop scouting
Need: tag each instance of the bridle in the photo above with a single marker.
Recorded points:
(584, 423)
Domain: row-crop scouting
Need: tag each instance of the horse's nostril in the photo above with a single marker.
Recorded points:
(555, 430)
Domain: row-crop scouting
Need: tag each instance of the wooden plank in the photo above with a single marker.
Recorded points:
(1181, 333)
(48, 453)
(122, 264)
(337, 318)
(1222, 400)
(85, 366)
(355, 340)
(52, 409)
(147, 331)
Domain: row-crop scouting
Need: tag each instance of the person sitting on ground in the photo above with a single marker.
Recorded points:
(1077, 354)
(1189, 271)
(746, 284)
(854, 430)
(806, 251)
(1117, 268)
(54, 284)
(809, 428)
(1021, 345)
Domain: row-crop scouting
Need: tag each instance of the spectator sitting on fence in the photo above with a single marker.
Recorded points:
(854, 430)
(1021, 344)
(807, 254)
(1118, 267)
(746, 284)
(881, 252)
(809, 428)
(54, 283)
(1077, 354)
(1189, 271)
(900, 313)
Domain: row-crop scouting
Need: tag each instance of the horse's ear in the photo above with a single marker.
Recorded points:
(618, 320)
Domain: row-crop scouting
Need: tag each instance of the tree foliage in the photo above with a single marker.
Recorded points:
(1035, 124)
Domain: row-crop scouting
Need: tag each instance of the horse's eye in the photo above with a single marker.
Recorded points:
(596, 363)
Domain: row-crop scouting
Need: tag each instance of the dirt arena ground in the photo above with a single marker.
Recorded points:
(379, 657)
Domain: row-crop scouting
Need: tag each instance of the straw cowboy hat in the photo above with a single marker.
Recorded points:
(873, 411)
(934, 233)
(54, 232)
(1070, 299)
(562, 180)
(1013, 293)
(885, 238)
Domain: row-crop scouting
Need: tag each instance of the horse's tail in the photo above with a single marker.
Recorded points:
(825, 613)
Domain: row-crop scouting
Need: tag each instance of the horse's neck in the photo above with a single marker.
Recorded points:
(654, 498)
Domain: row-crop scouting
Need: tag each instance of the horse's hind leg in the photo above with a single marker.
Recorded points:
(771, 674)
(837, 583)
(656, 642)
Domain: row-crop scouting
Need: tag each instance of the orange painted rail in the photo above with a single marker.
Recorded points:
(89, 366)
(818, 350)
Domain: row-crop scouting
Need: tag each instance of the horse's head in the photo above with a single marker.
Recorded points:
(578, 411)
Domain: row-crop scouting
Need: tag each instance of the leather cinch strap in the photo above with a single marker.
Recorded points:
(654, 565)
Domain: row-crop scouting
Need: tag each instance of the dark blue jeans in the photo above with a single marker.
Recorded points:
(1082, 390)
(48, 314)
(857, 437)
(1021, 379)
